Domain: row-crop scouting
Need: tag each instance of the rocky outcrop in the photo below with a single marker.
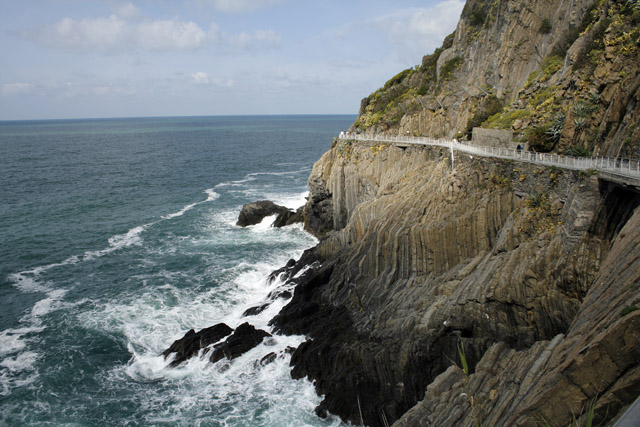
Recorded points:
(533, 270)
(594, 367)
(243, 339)
(239, 341)
(192, 342)
(527, 267)
(501, 256)
(254, 213)
(563, 75)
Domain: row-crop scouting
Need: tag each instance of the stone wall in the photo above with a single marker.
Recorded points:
(493, 138)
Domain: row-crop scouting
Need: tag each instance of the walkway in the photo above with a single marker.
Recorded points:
(623, 171)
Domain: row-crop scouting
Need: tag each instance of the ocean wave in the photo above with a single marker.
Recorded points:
(211, 196)
(11, 340)
(23, 361)
(28, 280)
(253, 176)
(291, 201)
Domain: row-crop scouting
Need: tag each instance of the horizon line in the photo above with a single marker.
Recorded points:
(175, 116)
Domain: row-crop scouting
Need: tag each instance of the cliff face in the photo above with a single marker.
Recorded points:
(497, 255)
(564, 75)
(533, 270)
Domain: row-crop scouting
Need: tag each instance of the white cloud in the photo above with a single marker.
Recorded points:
(242, 5)
(295, 79)
(128, 11)
(424, 28)
(115, 34)
(260, 39)
(200, 78)
(16, 88)
(114, 89)
(269, 37)
(169, 35)
(108, 35)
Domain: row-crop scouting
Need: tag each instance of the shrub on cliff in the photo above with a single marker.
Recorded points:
(490, 106)
(540, 140)
(545, 26)
(570, 36)
(449, 67)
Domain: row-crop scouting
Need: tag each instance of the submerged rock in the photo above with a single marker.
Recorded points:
(253, 213)
(243, 339)
(191, 343)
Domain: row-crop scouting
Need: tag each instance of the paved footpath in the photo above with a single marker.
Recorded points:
(611, 167)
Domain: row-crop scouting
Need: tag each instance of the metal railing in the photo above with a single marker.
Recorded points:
(616, 166)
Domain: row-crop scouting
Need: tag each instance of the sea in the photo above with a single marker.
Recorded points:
(117, 236)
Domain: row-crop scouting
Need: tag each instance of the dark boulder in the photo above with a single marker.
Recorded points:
(191, 343)
(269, 358)
(289, 217)
(243, 339)
(254, 213)
(253, 311)
(284, 273)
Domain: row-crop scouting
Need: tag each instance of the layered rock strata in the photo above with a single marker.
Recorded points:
(504, 257)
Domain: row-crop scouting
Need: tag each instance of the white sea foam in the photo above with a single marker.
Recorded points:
(9, 380)
(237, 183)
(181, 211)
(23, 361)
(15, 343)
(53, 302)
(265, 225)
(283, 173)
(17, 367)
(291, 201)
(11, 340)
(236, 391)
(211, 196)
(28, 280)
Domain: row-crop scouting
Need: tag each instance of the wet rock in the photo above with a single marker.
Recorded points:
(254, 213)
(289, 217)
(192, 342)
(243, 339)
(283, 272)
(280, 293)
(253, 311)
(269, 358)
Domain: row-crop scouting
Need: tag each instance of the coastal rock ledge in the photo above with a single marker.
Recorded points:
(253, 213)
(534, 270)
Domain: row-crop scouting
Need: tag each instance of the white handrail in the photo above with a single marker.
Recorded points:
(617, 166)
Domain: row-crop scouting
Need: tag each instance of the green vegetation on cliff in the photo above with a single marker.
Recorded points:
(401, 94)
(570, 86)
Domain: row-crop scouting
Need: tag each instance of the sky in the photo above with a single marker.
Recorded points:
(140, 58)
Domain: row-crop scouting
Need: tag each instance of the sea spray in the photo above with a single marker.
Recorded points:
(102, 271)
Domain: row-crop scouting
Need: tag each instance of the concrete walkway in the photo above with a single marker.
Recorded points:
(623, 171)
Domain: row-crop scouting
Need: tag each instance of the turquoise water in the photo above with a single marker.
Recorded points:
(116, 237)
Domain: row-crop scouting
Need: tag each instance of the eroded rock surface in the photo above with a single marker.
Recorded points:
(254, 213)
(192, 342)
(502, 256)
(243, 339)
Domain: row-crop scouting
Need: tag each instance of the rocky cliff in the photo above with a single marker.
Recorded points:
(564, 75)
(500, 256)
(529, 274)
